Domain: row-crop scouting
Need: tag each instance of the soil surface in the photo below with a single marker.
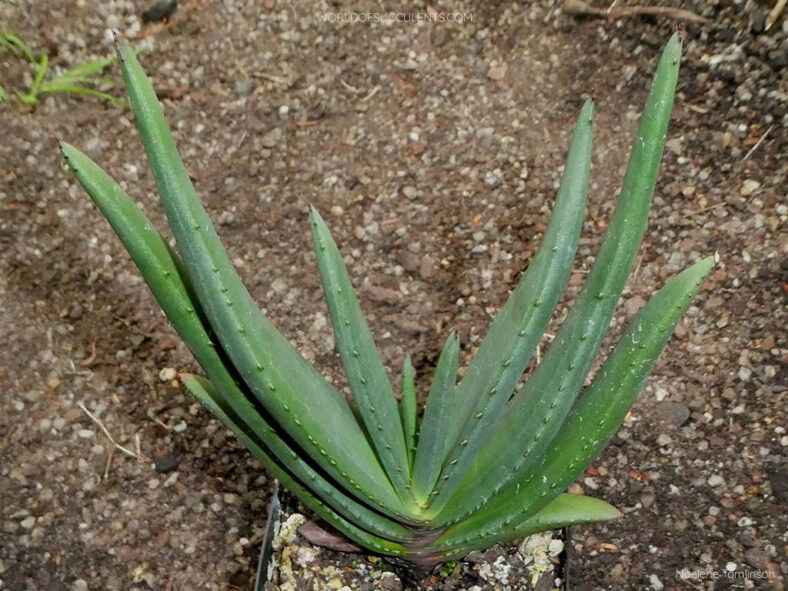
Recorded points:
(434, 152)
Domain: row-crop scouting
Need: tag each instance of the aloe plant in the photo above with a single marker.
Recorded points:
(484, 464)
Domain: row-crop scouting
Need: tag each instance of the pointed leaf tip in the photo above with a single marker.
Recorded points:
(615, 513)
(185, 376)
(603, 511)
(673, 47)
(118, 45)
(314, 214)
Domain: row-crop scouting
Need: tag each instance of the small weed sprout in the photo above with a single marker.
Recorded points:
(81, 79)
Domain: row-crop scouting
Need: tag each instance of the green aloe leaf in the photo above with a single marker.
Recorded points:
(205, 393)
(596, 416)
(408, 408)
(562, 511)
(164, 274)
(156, 262)
(536, 412)
(435, 424)
(369, 384)
(493, 373)
(300, 400)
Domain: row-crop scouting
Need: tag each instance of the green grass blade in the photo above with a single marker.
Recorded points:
(408, 408)
(71, 81)
(40, 73)
(164, 274)
(562, 511)
(299, 399)
(369, 384)
(536, 412)
(31, 97)
(435, 424)
(506, 350)
(16, 46)
(203, 391)
(54, 87)
(85, 72)
(598, 413)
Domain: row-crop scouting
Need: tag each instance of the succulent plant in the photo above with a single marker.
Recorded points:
(485, 463)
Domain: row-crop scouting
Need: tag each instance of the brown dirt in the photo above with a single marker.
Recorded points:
(437, 185)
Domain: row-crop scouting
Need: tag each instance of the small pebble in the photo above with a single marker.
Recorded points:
(244, 88)
(715, 480)
(409, 191)
(168, 374)
(664, 440)
(673, 413)
(272, 138)
(749, 187)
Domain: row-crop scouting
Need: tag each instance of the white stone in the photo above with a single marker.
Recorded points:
(715, 480)
(749, 186)
(168, 374)
(664, 440)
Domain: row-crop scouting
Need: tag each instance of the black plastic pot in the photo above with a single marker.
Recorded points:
(265, 562)
(562, 570)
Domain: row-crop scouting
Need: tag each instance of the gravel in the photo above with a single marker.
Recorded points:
(417, 139)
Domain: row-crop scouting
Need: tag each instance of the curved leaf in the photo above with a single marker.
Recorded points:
(437, 416)
(506, 350)
(409, 408)
(366, 375)
(301, 401)
(164, 274)
(203, 391)
(597, 415)
(562, 511)
(538, 410)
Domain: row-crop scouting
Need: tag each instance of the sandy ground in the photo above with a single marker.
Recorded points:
(434, 152)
